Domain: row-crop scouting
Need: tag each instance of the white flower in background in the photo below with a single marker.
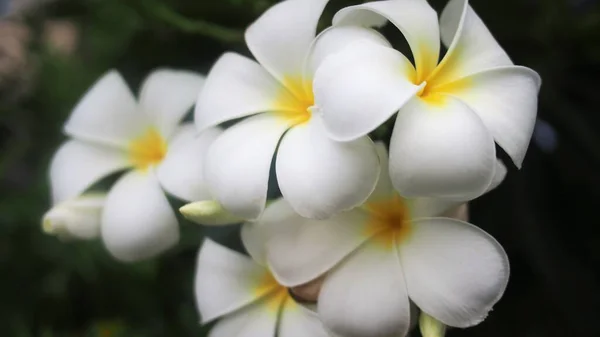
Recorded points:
(381, 256)
(246, 297)
(77, 218)
(449, 114)
(317, 176)
(112, 132)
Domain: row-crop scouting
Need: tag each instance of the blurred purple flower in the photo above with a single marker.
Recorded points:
(544, 136)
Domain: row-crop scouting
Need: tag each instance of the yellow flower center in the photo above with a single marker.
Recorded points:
(148, 149)
(389, 221)
(273, 293)
(295, 101)
(439, 81)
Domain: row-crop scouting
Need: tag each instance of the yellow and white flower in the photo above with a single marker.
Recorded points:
(317, 176)
(381, 256)
(112, 132)
(247, 298)
(449, 113)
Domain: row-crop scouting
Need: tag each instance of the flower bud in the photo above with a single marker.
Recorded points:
(431, 327)
(77, 218)
(208, 212)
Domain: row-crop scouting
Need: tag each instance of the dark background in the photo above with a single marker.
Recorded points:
(51, 52)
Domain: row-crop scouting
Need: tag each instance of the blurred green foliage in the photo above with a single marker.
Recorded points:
(52, 289)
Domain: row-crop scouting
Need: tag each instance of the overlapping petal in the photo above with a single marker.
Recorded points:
(301, 249)
(366, 295)
(224, 281)
(252, 321)
(441, 150)
(107, 114)
(471, 46)
(506, 101)
(167, 95)
(78, 165)
(238, 163)
(384, 190)
(181, 172)
(359, 88)
(297, 321)
(138, 222)
(236, 87)
(417, 21)
(281, 37)
(321, 177)
(335, 39)
(454, 271)
(434, 207)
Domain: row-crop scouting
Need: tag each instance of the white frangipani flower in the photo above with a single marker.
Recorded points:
(246, 297)
(319, 177)
(112, 132)
(449, 114)
(77, 218)
(380, 256)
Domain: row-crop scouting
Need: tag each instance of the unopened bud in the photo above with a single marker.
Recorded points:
(208, 212)
(77, 218)
(431, 327)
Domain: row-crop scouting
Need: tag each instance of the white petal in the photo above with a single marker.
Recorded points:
(441, 149)
(77, 218)
(430, 207)
(334, 39)
(499, 175)
(167, 95)
(321, 177)
(434, 207)
(454, 271)
(138, 222)
(384, 190)
(300, 249)
(78, 165)
(108, 113)
(417, 21)
(297, 321)
(366, 295)
(224, 281)
(281, 37)
(506, 101)
(254, 238)
(236, 87)
(360, 87)
(238, 163)
(472, 48)
(253, 321)
(181, 172)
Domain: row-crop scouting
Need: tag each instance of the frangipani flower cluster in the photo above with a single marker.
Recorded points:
(379, 257)
(367, 224)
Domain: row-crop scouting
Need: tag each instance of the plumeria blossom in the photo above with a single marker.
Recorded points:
(112, 132)
(244, 294)
(379, 257)
(317, 176)
(77, 218)
(449, 113)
